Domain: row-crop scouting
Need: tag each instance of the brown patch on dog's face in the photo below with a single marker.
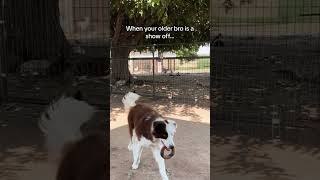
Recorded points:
(159, 130)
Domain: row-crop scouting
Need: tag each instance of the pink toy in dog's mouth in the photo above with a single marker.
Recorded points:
(167, 156)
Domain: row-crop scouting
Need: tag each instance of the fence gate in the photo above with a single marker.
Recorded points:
(265, 66)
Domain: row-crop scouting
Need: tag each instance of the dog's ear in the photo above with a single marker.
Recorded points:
(159, 130)
(78, 95)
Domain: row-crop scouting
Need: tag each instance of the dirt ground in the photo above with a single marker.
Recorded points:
(23, 157)
(22, 151)
(246, 158)
(192, 158)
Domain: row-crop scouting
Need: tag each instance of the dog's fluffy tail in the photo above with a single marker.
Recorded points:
(129, 100)
(61, 123)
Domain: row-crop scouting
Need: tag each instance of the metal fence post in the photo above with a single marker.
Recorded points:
(3, 58)
(153, 84)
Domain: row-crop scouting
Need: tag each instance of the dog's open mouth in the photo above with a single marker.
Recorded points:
(167, 156)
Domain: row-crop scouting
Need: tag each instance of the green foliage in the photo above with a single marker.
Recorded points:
(196, 65)
(191, 13)
(203, 63)
(187, 52)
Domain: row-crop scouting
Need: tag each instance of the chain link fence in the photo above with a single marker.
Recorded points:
(164, 74)
(52, 45)
(265, 70)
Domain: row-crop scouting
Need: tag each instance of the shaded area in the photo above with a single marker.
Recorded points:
(21, 140)
(237, 156)
(265, 108)
(22, 150)
(197, 111)
(266, 82)
(42, 90)
(186, 88)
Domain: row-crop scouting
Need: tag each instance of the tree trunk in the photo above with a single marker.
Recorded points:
(34, 29)
(120, 68)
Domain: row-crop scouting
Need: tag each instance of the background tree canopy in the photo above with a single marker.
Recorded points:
(143, 13)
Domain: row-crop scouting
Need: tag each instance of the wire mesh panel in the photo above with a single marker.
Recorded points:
(3, 80)
(266, 65)
(164, 75)
(53, 44)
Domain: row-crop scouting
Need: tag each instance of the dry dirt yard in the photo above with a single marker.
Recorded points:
(192, 158)
(245, 158)
(22, 151)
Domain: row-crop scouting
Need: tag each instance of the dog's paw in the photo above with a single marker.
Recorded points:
(165, 178)
(135, 166)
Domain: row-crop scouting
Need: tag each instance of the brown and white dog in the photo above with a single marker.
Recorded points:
(74, 155)
(148, 128)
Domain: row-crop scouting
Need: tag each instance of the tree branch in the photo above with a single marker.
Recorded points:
(117, 29)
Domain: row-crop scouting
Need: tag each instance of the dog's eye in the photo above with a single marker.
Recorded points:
(164, 136)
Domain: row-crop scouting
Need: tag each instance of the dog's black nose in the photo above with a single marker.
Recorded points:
(171, 147)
